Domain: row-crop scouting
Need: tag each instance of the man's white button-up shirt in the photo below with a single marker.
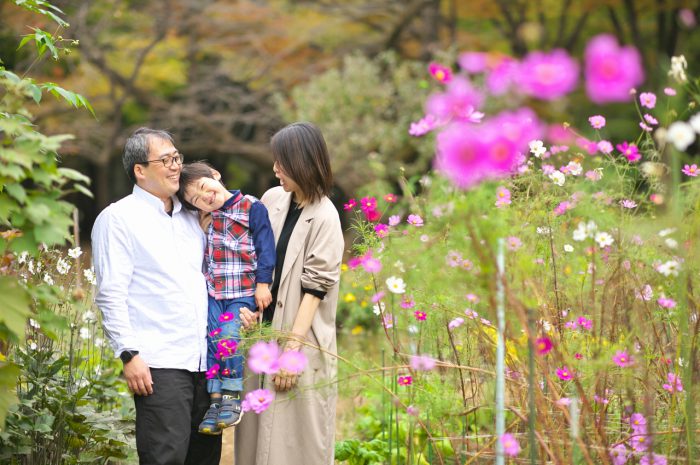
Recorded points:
(150, 286)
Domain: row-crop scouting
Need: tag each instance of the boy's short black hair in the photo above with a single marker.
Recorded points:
(189, 174)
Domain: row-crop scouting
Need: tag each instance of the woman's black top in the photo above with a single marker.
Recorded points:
(290, 222)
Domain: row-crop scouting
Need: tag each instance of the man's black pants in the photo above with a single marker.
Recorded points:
(167, 421)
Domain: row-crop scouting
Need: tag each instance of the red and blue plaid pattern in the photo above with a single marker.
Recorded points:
(230, 256)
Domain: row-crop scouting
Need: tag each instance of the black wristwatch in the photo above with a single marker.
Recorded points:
(127, 355)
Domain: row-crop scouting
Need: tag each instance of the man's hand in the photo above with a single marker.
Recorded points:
(138, 376)
(204, 221)
(263, 297)
(249, 318)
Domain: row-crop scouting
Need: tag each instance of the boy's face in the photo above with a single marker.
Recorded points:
(206, 194)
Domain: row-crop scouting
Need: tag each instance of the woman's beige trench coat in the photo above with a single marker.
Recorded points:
(298, 428)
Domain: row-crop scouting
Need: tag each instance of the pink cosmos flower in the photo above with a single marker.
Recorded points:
(666, 302)
(382, 230)
(440, 72)
(471, 314)
(263, 357)
(453, 258)
(226, 316)
(622, 359)
(226, 348)
(674, 383)
(455, 323)
(570, 325)
(578, 356)
(388, 321)
(257, 401)
(547, 75)
(405, 380)
(670, 91)
(215, 332)
(458, 103)
(638, 423)
(412, 410)
(294, 361)
(377, 297)
(690, 170)
(368, 203)
(213, 372)
(415, 220)
(511, 447)
(422, 362)
(564, 374)
(597, 121)
(419, 315)
(656, 459)
(502, 76)
(394, 220)
(639, 442)
(513, 243)
(594, 175)
(390, 198)
(647, 99)
(472, 62)
(585, 323)
(619, 454)
(547, 169)
(472, 298)
(467, 264)
(563, 207)
(610, 70)
(407, 302)
(650, 119)
(543, 345)
(627, 203)
(605, 146)
(630, 151)
(645, 127)
(563, 402)
(372, 265)
(423, 126)
(352, 203)
(225, 372)
(502, 197)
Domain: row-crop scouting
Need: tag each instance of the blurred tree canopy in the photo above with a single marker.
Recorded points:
(223, 75)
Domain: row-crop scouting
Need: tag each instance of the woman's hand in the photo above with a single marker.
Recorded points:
(204, 220)
(248, 318)
(285, 380)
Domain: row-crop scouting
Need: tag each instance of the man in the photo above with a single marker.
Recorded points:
(148, 253)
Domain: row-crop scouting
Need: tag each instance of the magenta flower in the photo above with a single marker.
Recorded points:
(257, 401)
(472, 62)
(394, 220)
(605, 146)
(293, 361)
(690, 170)
(422, 362)
(563, 207)
(440, 72)
(638, 423)
(564, 374)
(215, 332)
(372, 265)
(622, 359)
(419, 315)
(407, 302)
(650, 119)
(639, 442)
(547, 76)
(656, 459)
(390, 198)
(405, 380)
(645, 126)
(455, 323)
(213, 372)
(415, 220)
(472, 298)
(377, 297)
(502, 76)
(627, 203)
(226, 316)
(597, 121)
(647, 99)
(458, 103)
(666, 302)
(502, 197)
(262, 357)
(670, 91)
(423, 126)
(382, 230)
(674, 383)
(352, 203)
(585, 323)
(630, 151)
(610, 70)
(513, 243)
(225, 372)
(510, 445)
(368, 203)
(619, 454)
(543, 345)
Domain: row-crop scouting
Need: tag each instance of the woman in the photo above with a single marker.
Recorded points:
(298, 428)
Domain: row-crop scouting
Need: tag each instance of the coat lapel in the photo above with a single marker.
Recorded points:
(297, 240)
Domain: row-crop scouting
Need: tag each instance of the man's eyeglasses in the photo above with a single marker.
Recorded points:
(167, 161)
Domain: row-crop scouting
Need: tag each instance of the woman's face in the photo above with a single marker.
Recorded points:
(285, 181)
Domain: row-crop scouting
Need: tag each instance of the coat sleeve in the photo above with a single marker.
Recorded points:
(324, 253)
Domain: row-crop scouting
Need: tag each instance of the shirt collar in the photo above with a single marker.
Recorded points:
(236, 197)
(154, 201)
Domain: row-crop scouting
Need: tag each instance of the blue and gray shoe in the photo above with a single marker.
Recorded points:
(230, 412)
(209, 424)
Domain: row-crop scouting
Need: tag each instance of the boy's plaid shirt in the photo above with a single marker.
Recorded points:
(230, 255)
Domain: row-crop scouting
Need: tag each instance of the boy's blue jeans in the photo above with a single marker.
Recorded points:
(231, 372)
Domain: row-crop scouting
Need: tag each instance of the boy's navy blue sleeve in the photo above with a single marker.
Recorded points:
(264, 242)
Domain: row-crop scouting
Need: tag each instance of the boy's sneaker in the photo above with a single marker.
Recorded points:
(230, 412)
(209, 424)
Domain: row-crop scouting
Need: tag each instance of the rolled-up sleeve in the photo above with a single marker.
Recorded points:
(113, 262)
(324, 254)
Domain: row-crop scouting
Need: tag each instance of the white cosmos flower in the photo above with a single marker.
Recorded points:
(75, 253)
(604, 239)
(48, 279)
(557, 177)
(669, 268)
(396, 285)
(695, 122)
(678, 67)
(537, 148)
(681, 135)
(62, 266)
(90, 276)
(666, 232)
(568, 248)
(671, 243)
(378, 308)
(89, 317)
(22, 257)
(34, 324)
(575, 168)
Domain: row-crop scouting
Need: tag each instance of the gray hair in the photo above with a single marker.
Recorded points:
(137, 148)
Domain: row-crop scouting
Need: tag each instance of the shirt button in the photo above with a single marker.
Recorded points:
(279, 304)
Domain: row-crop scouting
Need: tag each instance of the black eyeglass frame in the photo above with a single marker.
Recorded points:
(179, 157)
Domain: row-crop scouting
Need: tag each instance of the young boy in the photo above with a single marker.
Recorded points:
(240, 258)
